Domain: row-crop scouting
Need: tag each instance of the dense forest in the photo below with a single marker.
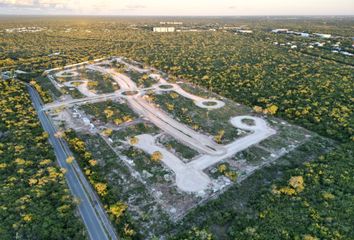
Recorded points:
(310, 91)
(311, 88)
(35, 202)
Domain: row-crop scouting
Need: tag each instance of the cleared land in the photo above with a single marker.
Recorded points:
(216, 142)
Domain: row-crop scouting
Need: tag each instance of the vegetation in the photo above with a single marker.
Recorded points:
(118, 189)
(99, 82)
(90, 166)
(179, 148)
(248, 69)
(132, 131)
(113, 112)
(225, 170)
(142, 80)
(312, 87)
(35, 202)
(150, 164)
(156, 156)
(314, 95)
(212, 122)
(316, 198)
(74, 92)
(48, 87)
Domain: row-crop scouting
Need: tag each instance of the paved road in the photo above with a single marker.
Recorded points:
(96, 221)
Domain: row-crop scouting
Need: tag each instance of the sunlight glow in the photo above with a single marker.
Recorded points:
(180, 7)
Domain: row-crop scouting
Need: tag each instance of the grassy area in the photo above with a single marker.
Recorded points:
(132, 131)
(110, 112)
(212, 122)
(66, 79)
(74, 92)
(229, 216)
(101, 83)
(93, 155)
(224, 169)
(143, 214)
(286, 136)
(48, 86)
(154, 171)
(193, 89)
(179, 148)
(142, 80)
(253, 155)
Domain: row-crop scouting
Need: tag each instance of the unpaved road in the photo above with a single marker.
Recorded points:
(162, 120)
(83, 89)
(94, 99)
(190, 176)
(199, 101)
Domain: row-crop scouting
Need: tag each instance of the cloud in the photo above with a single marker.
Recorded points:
(33, 4)
(16, 2)
(135, 7)
(73, 6)
(177, 7)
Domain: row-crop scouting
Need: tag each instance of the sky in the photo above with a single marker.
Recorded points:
(178, 7)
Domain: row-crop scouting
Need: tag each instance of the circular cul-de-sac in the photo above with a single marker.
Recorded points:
(65, 74)
(210, 104)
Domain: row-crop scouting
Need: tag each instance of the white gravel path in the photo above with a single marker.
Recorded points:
(162, 120)
(190, 176)
(187, 179)
(199, 101)
(65, 74)
(82, 87)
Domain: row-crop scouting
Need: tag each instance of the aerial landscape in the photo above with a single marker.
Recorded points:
(203, 120)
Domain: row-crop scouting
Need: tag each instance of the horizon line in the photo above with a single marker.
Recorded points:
(156, 15)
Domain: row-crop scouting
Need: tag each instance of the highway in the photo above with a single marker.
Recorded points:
(93, 215)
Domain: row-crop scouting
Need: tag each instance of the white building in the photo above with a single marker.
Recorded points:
(322, 35)
(54, 54)
(244, 31)
(346, 53)
(280, 30)
(5, 75)
(305, 34)
(318, 44)
(171, 23)
(86, 121)
(164, 29)
(20, 72)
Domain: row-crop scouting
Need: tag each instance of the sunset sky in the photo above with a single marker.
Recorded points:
(179, 7)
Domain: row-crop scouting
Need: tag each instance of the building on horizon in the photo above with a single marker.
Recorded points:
(164, 29)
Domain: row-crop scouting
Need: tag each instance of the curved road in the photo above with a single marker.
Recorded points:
(162, 120)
